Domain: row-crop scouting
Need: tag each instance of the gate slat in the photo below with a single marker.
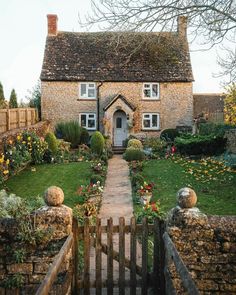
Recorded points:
(144, 257)
(110, 256)
(133, 255)
(162, 257)
(86, 257)
(121, 256)
(98, 257)
(156, 256)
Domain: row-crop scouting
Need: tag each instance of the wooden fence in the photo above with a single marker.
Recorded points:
(216, 117)
(16, 118)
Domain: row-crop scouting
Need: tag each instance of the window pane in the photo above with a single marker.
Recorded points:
(147, 92)
(146, 123)
(91, 116)
(92, 85)
(154, 120)
(146, 116)
(91, 92)
(83, 89)
(146, 85)
(118, 122)
(83, 120)
(91, 123)
(154, 90)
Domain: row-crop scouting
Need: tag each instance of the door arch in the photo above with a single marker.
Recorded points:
(120, 131)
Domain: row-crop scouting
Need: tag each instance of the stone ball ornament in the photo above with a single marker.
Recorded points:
(54, 196)
(186, 198)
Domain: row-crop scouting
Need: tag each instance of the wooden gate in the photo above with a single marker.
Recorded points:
(122, 257)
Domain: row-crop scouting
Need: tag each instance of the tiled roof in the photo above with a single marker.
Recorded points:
(137, 57)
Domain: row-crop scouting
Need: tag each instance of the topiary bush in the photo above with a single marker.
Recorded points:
(69, 131)
(208, 145)
(51, 140)
(133, 154)
(211, 128)
(97, 143)
(169, 135)
(135, 143)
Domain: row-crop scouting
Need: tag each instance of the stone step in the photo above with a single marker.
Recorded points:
(118, 150)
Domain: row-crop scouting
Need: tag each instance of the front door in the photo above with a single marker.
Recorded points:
(120, 128)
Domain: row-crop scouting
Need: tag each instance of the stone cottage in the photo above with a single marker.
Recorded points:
(118, 83)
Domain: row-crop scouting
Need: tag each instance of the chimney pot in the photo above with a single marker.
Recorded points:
(52, 24)
(182, 26)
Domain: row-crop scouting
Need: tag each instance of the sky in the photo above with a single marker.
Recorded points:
(23, 30)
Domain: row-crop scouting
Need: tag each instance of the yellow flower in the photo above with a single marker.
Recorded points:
(29, 138)
(18, 137)
(23, 142)
(7, 161)
(5, 172)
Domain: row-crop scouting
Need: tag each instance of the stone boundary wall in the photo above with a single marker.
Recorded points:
(231, 140)
(207, 245)
(32, 269)
(40, 128)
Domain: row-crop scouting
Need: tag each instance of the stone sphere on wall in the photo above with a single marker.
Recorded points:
(54, 196)
(186, 198)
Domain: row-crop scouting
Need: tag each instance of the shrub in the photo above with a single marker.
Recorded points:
(137, 180)
(97, 143)
(135, 143)
(213, 129)
(169, 135)
(200, 144)
(95, 178)
(132, 154)
(84, 138)
(51, 140)
(69, 131)
(158, 146)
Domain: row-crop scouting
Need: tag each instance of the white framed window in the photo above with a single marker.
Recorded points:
(88, 121)
(87, 90)
(151, 121)
(151, 90)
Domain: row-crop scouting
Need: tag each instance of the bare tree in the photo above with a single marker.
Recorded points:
(215, 20)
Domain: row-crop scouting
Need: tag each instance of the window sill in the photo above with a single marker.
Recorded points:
(148, 130)
(86, 99)
(150, 99)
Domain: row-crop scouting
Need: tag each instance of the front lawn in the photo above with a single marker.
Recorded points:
(34, 180)
(213, 183)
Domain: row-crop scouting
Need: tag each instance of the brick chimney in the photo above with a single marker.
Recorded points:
(52, 24)
(182, 26)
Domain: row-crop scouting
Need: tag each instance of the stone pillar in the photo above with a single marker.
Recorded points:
(206, 244)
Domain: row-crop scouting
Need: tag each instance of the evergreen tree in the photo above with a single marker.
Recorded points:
(13, 100)
(35, 98)
(2, 98)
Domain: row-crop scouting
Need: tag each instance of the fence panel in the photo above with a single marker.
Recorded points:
(16, 118)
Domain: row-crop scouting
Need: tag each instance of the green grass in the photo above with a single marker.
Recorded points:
(28, 184)
(214, 185)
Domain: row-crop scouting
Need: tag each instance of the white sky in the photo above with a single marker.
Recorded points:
(23, 30)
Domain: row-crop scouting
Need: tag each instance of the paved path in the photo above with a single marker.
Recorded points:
(117, 195)
(117, 202)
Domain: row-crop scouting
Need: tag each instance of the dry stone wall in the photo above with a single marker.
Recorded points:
(22, 274)
(207, 245)
(231, 140)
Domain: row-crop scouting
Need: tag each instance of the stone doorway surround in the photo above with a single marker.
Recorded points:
(118, 103)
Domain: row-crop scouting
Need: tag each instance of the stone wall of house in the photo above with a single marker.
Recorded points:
(231, 140)
(22, 274)
(40, 128)
(60, 101)
(207, 245)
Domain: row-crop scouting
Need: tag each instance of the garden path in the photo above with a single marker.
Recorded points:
(117, 202)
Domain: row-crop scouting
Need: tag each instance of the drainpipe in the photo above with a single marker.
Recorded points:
(98, 105)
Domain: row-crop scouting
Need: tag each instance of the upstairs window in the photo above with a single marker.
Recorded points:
(88, 121)
(87, 90)
(151, 90)
(151, 121)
